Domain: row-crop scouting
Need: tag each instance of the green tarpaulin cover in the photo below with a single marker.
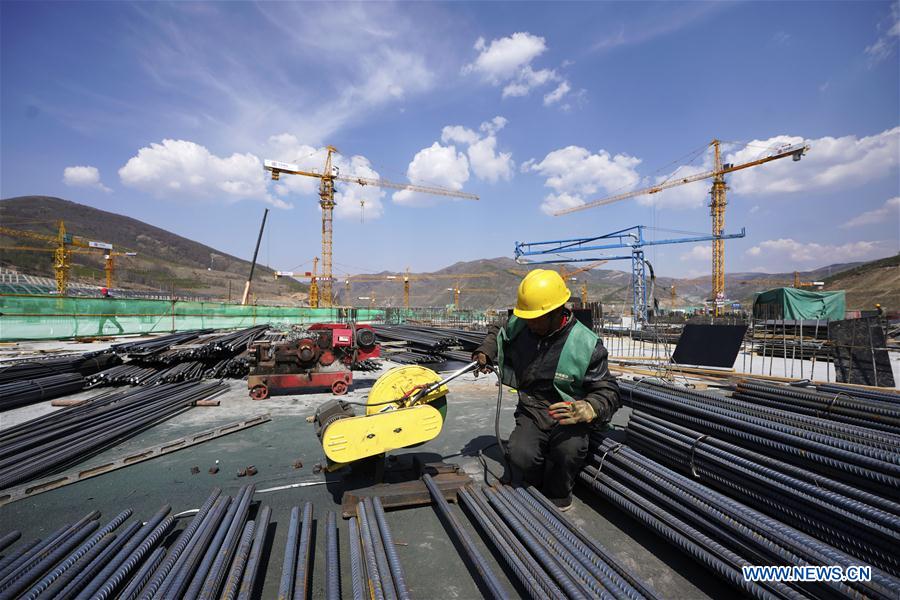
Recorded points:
(796, 304)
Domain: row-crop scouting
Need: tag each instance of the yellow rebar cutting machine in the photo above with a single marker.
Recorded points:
(406, 407)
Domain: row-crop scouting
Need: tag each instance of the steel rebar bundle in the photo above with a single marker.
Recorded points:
(548, 555)
(83, 364)
(855, 456)
(70, 435)
(839, 405)
(722, 534)
(792, 495)
(28, 391)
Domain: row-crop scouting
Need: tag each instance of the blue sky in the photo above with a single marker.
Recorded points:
(165, 112)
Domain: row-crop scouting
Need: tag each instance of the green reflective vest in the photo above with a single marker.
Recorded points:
(573, 360)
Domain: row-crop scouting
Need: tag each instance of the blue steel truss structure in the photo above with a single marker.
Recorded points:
(551, 252)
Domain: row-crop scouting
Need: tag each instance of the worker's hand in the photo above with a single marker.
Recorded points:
(570, 413)
(484, 363)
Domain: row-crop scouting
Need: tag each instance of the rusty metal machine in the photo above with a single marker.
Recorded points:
(321, 356)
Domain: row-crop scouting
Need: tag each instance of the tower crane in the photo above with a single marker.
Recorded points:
(108, 257)
(62, 242)
(407, 277)
(567, 274)
(327, 180)
(716, 205)
(313, 281)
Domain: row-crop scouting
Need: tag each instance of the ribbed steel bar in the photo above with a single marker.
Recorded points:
(130, 564)
(80, 553)
(488, 579)
(857, 528)
(571, 584)
(605, 573)
(143, 575)
(555, 516)
(384, 568)
(301, 577)
(332, 559)
(9, 539)
(248, 582)
(357, 567)
(830, 459)
(373, 576)
(233, 580)
(22, 579)
(393, 560)
(184, 569)
(784, 544)
(144, 533)
(16, 554)
(60, 583)
(178, 548)
(515, 564)
(223, 553)
(86, 575)
(544, 579)
(286, 589)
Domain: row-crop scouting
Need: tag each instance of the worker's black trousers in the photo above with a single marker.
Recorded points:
(548, 460)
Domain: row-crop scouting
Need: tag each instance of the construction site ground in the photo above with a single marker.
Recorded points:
(433, 567)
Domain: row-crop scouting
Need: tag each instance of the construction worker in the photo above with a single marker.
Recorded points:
(559, 369)
(878, 310)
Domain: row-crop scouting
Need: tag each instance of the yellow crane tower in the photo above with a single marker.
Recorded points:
(567, 274)
(313, 281)
(62, 242)
(108, 258)
(326, 200)
(407, 277)
(716, 205)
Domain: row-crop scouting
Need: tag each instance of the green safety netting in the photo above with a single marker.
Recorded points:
(25, 317)
(797, 304)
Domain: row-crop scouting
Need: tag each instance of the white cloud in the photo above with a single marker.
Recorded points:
(556, 95)
(189, 171)
(889, 211)
(574, 173)
(830, 163)
(486, 162)
(754, 209)
(436, 165)
(812, 252)
(884, 46)
(504, 58)
(508, 61)
(698, 252)
(83, 177)
(286, 147)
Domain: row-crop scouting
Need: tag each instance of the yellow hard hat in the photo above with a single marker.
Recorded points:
(540, 291)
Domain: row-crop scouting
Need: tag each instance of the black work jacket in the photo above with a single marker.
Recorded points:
(534, 360)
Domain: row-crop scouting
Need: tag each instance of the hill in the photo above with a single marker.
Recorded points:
(163, 259)
(868, 283)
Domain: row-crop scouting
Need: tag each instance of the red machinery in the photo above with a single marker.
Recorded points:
(321, 357)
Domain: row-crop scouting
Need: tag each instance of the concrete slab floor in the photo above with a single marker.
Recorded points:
(434, 569)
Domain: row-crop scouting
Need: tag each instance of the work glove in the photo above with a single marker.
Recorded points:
(570, 413)
(484, 363)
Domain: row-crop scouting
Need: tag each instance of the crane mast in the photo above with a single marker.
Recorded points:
(717, 212)
(326, 201)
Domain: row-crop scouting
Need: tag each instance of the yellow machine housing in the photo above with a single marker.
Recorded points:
(395, 418)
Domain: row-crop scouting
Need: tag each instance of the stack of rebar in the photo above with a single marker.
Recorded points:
(723, 534)
(28, 391)
(43, 445)
(83, 364)
(884, 395)
(857, 456)
(548, 555)
(843, 406)
(856, 522)
(127, 374)
(147, 348)
(217, 555)
(429, 344)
